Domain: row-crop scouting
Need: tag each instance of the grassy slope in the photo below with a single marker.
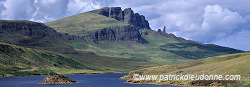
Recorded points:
(82, 23)
(13, 36)
(16, 60)
(233, 64)
(196, 50)
(157, 51)
(150, 52)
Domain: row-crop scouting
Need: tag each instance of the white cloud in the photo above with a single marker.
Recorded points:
(49, 10)
(17, 9)
(46, 10)
(79, 6)
(213, 24)
(2, 7)
(218, 22)
(239, 40)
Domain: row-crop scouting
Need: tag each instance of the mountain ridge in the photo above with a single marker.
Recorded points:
(33, 34)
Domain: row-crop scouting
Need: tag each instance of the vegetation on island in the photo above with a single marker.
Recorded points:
(59, 79)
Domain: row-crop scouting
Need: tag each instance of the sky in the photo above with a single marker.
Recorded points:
(221, 22)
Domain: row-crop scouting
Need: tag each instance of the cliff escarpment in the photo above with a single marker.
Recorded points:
(127, 16)
(127, 33)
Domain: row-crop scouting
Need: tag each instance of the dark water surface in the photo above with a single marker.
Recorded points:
(96, 80)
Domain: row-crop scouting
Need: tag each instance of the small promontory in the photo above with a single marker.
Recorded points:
(58, 80)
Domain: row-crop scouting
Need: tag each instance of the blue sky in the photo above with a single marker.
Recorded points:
(221, 22)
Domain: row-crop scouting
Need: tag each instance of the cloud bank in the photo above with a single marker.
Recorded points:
(222, 22)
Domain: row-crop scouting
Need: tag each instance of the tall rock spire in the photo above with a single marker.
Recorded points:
(164, 29)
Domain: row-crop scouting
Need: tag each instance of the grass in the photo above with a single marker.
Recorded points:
(65, 71)
(233, 64)
(16, 60)
(197, 50)
(83, 23)
(161, 49)
(130, 50)
(20, 61)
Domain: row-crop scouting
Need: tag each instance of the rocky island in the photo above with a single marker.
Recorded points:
(58, 80)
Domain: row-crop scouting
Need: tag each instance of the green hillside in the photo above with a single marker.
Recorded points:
(154, 51)
(233, 64)
(32, 35)
(83, 23)
(16, 60)
(157, 51)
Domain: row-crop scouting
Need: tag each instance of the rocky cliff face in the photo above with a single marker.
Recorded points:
(127, 33)
(31, 29)
(126, 16)
(34, 35)
(32, 32)
(26, 28)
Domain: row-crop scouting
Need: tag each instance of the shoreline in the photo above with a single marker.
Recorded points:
(162, 84)
(56, 83)
(144, 83)
(245, 85)
(169, 85)
(68, 74)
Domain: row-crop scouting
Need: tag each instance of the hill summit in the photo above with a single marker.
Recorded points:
(127, 16)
